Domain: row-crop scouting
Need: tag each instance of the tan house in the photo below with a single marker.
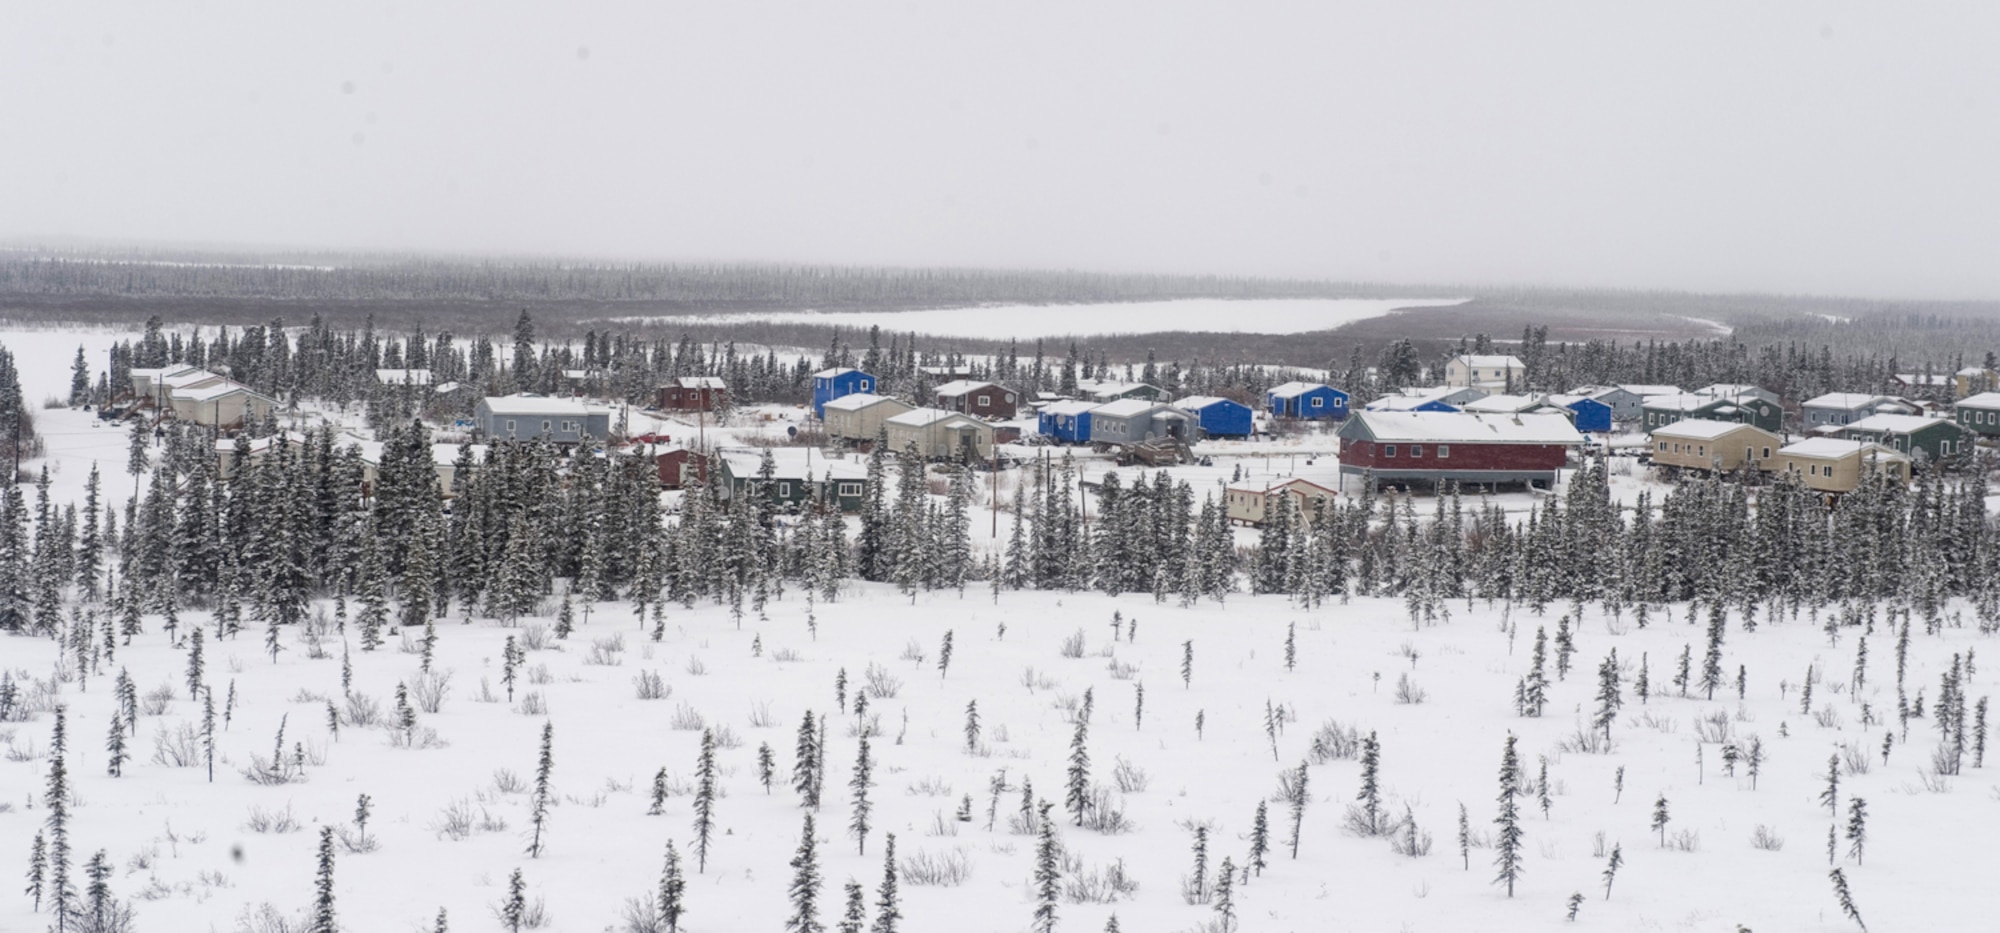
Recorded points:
(221, 404)
(1832, 464)
(1249, 503)
(859, 416)
(939, 434)
(1485, 371)
(1721, 446)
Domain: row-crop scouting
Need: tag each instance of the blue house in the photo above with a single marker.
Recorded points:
(830, 384)
(1068, 422)
(1591, 414)
(1307, 400)
(1218, 417)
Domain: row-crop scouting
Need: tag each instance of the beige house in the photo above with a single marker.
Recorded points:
(1249, 503)
(1831, 464)
(938, 434)
(1480, 371)
(859, 416)
(1721, 446)
(221, 403)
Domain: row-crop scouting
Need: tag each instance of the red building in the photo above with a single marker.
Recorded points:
(679, 467)
(693, 393)
(1470, 449)
(978, 399)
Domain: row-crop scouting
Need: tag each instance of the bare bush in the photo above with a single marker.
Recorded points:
(429, 688)
(179, 747)
(882, 685)
(261, 820)
(726, 738)
(1072, 646)
(461, 818)
(1407, 691)
(1713, 728)
(539, 676)
(650, 686)
(1104, 813)
(786, 655)
(932, 786)
(761, 716)
(1130, 778)
(1767, 839)
(534, 704)
(912, 652)
(947, 869)
(362, 711)
(534, 637)
(1854, 759)
(686, 719)
(157, 700)
(1827, 717)
(422, 737)
(696, 667)
(604, 652)
(1085, 884)
(1687, 840)
(1335, 742)
(508, 782)
(1120, 670)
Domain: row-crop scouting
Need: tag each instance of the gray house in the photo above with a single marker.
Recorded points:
(1135, 421)
(1840, 408)
(538, 417)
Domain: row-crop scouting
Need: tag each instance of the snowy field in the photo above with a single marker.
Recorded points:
(1248, 316)
(191, 851)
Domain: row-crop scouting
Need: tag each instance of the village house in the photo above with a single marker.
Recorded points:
(1436, 447)
(1219, 417)
(940, 434)
(1588, 413)
(1925, 385)
(1836, 465)
(222, 404)
(1249, 503)
(1973, 380)
(799, 478)
(540, 418)
(1658, 411)
(830, 384)
(1840, 408)
(678, 467)
(1923, 439)
(1714, 446)
(1308, 400)
(1137, 421)
(1623, 403)
(1487, 371)
(1979, 414)
(859, 417)
(693, 393)
(1065, 421)
(978, 399)
(1429, 398)
(1737, 391)
(1107, 390)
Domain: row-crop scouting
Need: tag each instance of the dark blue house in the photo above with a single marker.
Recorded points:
(1591, 415)
(1068, 422)
(1218, 417)
(830, 384)
(1307, 400)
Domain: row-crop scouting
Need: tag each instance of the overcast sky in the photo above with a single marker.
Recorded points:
(1785, 146)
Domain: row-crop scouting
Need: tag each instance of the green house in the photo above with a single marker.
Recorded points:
(1979, 414)
(1659, 411)
(1923, 439)
(798, 477)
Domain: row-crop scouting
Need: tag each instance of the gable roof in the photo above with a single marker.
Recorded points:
(534, 405)
(1503, 404)
(701, 382)
(1489, 359)
(1198, 402)
(1696, 429)
(1296, 389)
(925, 417)
(1982, 400)
(1463, 428)
(857, 401)
(1128, 407)
(1896, 424)
(1069, 407)
(958, 387)
(836, 371)
(792, 463)
(1843, 400)
(1682, 402)
(1834, 448)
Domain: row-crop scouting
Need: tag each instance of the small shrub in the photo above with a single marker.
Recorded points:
(932, 786)
(534, 704)
(1120, 670)
(539, 676)
(1407, 691)
(1767, 839)
(881, 684)
(942, 826)
(924, 869)
(726, 738)
(1072, 646)
(1130, 778)
(535, 637)
(761, 717)
(1103, 813)
(912, 652)
(1335, 742)
(179, 747)
(686, 719)
(650, 686)
(271, 821)
(507, 782)
(429, 688)
(696, 667)
(362, 711)
(786, 655)
(1083, 884)
(157, 700)
(1854, 759)
(1827, 717)
(1713, 728)
(1687, 840)
(604, 652)
(1036, 681)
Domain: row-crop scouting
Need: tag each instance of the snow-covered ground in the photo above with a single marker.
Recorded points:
(1253, 316)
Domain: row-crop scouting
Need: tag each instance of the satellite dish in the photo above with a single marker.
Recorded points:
(792, 430)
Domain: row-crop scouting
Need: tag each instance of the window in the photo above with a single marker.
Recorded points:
(1767, 453)
(785, 489)
(850, 489)
(1416, 450)
(1444, 451)
(864, 385)
(545, 426)
(985, 400)
(510, 425)
(1388, 450)
(1663, 447)
(1319, 403)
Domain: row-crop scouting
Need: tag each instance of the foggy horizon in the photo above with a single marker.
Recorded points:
(1794, 149)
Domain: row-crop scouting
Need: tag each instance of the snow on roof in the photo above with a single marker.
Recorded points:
(156, 372)
(1502, 403)
(925, 417)
(1069, 407)
(1700, 430)
(1494, 359)
(1468, 428)
(1729, 388)
(793, 463)
(1973, 371)
(1922, 379)
(701, 382)
(859, 400)
(836, 371)
(1834, 448)
(1295, 389)
(1642, 389)
(1273, 484)
(1400, 403)
(211, 391)
(534, 405)
(1108, 389)
(1895, 424)
(1842, 400)
(958, 387)
(1196, 402)
(1127, 407)
(1982, 400)
(1682, 402)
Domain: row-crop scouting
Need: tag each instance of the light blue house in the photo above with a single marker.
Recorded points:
(1218, 417)
(830, 384)
(1309, 400)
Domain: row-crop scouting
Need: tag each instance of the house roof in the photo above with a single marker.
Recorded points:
(1503, 404)
(793, 463)
(1198, 402)
(1922, 379)
(1642, 390)
(1973, 371)
(836, 371)
(1105, 389)
(1465, 427)
(1895, 424)
(1982, 400)
(1835, 448)
(1069, 407)
(958, 387)
(1128, 407)
(1696, 429)
(1276, 484)
(860, 400)
(1402, 402)
(534, 405)
(1683, 402)
(1843, 400)
(701, 382)
(209, 392)
(925, 417)
(1295, 389)
(1490, 359)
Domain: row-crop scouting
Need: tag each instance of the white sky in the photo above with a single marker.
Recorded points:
(1785, 146)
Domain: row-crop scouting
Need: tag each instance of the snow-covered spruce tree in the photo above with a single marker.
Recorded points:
(855, 918)
(323, 920)
(194, 665)
(1682, 671)
(1611, 868)
(1187, 663)
(1076, 798)
(1294, 784)
(704, 800)
(673, 891)
(1857, 827)
(888, 906)
(767, 766)
(1197, 881)
(1225, 896)
(114, 748)
(544, 769)
(38, 869)
(1753, 760)
(972, 726)
(1371, 786)
(1534, 688)
(1711, 661)
(208, 731)
(1260, 840)
(863, 778)
(1609, 697)
(1830, 795)
(1507, 842)
(1291, 646)
(1661, 817)
(513, 912)
(1565, 648)
(805, 884)
(55, 798)
(944, 655)
(1542, 786)
(805, 770)
(510, 664)
(1138, 704)
(1464, 837)
(1845, 898)
(1048, 871)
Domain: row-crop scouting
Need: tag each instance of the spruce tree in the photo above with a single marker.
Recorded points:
(115, 756)
(1843, 896)
(1611, 868)
(888, 906)
(1507, 844)
(1187, 663)
(1260, 840)
(1857, 827)
(704, 800)
(805, 769)
(1077, 794)
(55, 797)
(944, 655)
(972, 726)
(1048, 871)
(1830, 795)
(1464, 837)
(1661, 818)
(1225, 896)
(766, 766)
(1296, 796)
(805, 884)
(673, 891)
(38, 869)
(863, 778)
(544, 768)
(1371, 788)
(659, 796)
(514, 910)
(855, 918)
(323, 917)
